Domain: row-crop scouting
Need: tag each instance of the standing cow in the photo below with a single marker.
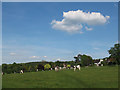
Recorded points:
(75, 67)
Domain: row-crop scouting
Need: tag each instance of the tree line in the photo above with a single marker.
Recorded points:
(83, 60)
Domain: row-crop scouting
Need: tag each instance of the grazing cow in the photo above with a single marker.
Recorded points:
(56, 68)
(64, 67)
(60, 68)
(21, 71)
(75, 67)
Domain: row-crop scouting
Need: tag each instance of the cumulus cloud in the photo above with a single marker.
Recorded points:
(73, 20)
(62, 25)
(88, 29)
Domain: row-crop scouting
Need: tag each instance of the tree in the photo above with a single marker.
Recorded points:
(29, 68)
(36, 67)
(68, 66)
(86, 60)
(4, 68)
(77, 58)
(25, 68)
(115, 53)
(58, 63)
(47, 66)
(104, 62)
(72, 63)
(40, 67)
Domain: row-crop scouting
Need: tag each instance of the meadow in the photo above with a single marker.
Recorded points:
(88, 77)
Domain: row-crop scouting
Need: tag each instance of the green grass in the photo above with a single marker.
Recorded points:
(90, 77)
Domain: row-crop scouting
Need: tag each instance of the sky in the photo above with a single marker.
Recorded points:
(57, 31)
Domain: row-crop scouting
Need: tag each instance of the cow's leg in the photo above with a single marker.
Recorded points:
(74, 69)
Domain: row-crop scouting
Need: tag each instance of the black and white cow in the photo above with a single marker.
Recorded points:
(21, 71)
(75, 67)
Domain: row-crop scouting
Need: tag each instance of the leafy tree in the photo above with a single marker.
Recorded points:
(29, 68)
(57, 63)
(77, 58)
(4, 68)
(40, 67)
(25, 68)
(47, 66)
(86, 60)
(36, 67)
(115, 53)
(68, 66)
(104, 62)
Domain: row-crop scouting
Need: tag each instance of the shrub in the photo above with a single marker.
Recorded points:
(68, 66)
(47, 66)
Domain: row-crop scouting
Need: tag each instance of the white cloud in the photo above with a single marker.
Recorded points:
(88, 29)
(93, 18)
(35, 57)
(72, 20)
(62, 25)
(12, 53)
(58, 59)
(44, 56)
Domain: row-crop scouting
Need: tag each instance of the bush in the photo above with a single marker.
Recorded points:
(40, 67)
(47, 66)
(68, 66)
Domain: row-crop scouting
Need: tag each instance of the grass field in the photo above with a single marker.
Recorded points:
(90, 77)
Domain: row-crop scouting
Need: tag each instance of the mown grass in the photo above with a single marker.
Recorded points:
(90, 77)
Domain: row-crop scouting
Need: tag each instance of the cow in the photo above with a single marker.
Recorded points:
(21, 71)
(75, 67)
(64, 66)
(60, 68)
(56, 68)
(98, 62)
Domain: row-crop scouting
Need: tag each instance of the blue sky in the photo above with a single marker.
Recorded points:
(29, 34)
